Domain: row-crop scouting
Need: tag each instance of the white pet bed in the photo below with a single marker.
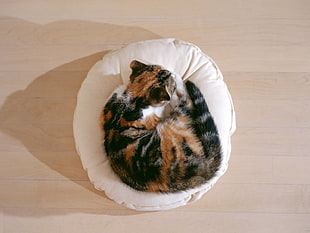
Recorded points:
(112, 71)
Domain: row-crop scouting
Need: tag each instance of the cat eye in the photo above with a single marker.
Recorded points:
(158, 95)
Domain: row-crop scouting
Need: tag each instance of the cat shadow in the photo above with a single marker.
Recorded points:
(28, 115)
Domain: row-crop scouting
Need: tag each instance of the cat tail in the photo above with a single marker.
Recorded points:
(203, 123)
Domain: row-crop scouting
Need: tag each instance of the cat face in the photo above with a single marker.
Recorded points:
(151, 82)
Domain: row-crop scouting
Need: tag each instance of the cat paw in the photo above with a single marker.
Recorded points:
(180, 94)
(174, 100)
(180, 87)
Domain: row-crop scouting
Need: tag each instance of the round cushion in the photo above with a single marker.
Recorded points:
(112, 71)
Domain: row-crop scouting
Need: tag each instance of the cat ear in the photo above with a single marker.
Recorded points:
(137, 69)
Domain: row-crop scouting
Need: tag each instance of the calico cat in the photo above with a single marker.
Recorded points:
(154, 151)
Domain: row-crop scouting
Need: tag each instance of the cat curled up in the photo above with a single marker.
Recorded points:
(159, 135)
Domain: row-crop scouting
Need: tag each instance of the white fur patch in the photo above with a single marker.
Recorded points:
(180, 90)
(159, 111)
(179, 81)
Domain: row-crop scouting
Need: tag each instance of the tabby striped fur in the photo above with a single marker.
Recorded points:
(157, 152)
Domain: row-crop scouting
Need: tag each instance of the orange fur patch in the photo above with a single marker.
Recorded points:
(130, 152)
(152, 121)
(156, 186)
(108, 116)
(172, 136)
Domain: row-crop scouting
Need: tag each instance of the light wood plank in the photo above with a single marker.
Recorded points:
(1, 221)
(34, 138)
(9, 143)
(18, 220)
(262, 113)
(267, 169)
(230, 32)
(37, 111)
(268, 86)
(260, 58)
(60, 84)
(81, 194)
(41, 166)
(51, 58)
(53, 194)
(267, 32)
(283, 166)
(267, 198)
(15, 80)
(51, 9)
(271, 141)
(21, 32)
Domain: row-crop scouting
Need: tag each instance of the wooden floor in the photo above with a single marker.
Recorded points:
(263, 50)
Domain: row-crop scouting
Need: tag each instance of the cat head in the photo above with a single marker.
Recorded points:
(151, 82)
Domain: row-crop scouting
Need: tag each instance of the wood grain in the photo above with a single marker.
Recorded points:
(271, 141)
(79, 194)
(229, 32)
(135, 9)
(188, 221)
